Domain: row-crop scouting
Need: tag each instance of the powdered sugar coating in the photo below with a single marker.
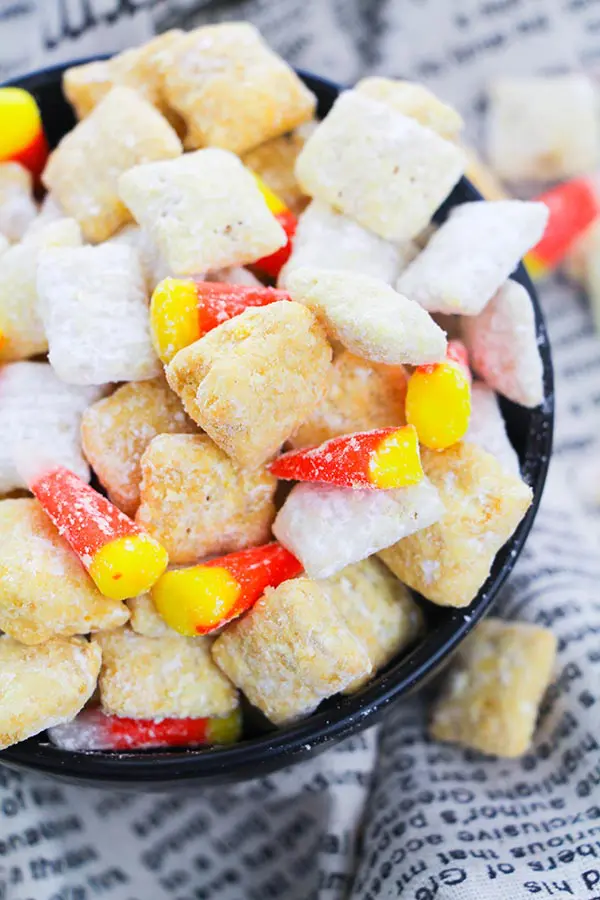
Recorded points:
(378, 166)
(502, 343)
(487, 428)
(291, 650)
(44, 590)
(153, 263)
(472, 254)
(328, 528)
(492, 693)
(43, 686)
(414, 100)
(17, 206)
(204, 211)
(122, 131)
(369, 317)
(95, 311)
(150, 678)
(197, 502)
(144, 618)
(274, 161)
(326, 239)
(449, 561)
(38, 410)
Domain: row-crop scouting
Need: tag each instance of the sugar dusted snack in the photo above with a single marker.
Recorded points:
(198, 502)
(472, 254)
(378, 166)
(154, 678)
(231, 89)
(414, 100)
(117, 429)
(253, 380)
(274, 161)
(329, 527)
(95, 314)
(487, 428)
(122, 131)
(503, 345)
(44, 590)
(43, 686)
(291, 651)
(17, 206)
(204, 210)
(144, 618)
(492, 694)
(387, 329)
(449, 561)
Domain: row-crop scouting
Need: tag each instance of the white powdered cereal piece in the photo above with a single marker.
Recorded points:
(487, 427)
(20, 322)
(204, 210)
(39, 410)
(503, 348)
(472, 254)
(4, 244)
(327, 528)
(378, 166)
(326, 239)
(154, 265)
(50, 211)
(416, 101)
(145, 619)
(369, 317)
(234, 275)
(543, 128)
(17, 206)
(95, 311)
(41, 687)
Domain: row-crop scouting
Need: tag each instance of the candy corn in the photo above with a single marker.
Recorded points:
(183, 310)
(573, 206)
(273, 264)
(94, 730)
(122, 560)
(199, 599)
(438, 399)
(384, 458)
(22, 137)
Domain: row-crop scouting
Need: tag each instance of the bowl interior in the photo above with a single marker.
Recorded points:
(264, 749)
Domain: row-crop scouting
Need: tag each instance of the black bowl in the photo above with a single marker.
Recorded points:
(264, 750)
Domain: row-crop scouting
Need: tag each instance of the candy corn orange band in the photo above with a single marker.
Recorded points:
(183, 310)
(22, 136)
(573, 206)
(272, 265)
(384, 458)
(438, 399)
(199, 599)
(121, 558)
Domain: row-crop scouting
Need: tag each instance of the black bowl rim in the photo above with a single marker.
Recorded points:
(349, 714)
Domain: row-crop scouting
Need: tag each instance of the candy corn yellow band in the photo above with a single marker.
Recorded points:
(438, 404)
(196, 598)
(275, 204)
(535, 267)
(226, 730)
(20, 121)
(128, 566)
(396, 462)
(174, 317)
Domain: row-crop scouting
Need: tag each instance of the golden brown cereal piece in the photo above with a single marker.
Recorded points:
(144, 619)
(84, 86)
(17, 206)
(291, 651)
(196, 502)
(492, 693)
(361, 396)
(149, 678)
(122, 131)
(275, 160)
(115, 432)
(449, 561)
(377, 608)
(43, 686)
(231, 89)
(44, 590)
(251, 382)
(414, 100)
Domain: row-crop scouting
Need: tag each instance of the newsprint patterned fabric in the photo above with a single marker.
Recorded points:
(386, 814)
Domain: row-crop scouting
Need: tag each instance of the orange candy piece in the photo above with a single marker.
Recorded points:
(438, 399)
(199, 599)
(22, 137)
(273, 264)
(120, 557)
(384, 458)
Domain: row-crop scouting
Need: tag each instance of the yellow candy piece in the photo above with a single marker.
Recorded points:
(396, 463)
(536, 269)
(225, 730)
(174, 317)
(194, 599)
(20, 121)
(128, 566)
(275, 203)
(438, 404)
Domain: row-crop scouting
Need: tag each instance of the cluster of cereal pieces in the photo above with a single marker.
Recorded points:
(187, 459)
